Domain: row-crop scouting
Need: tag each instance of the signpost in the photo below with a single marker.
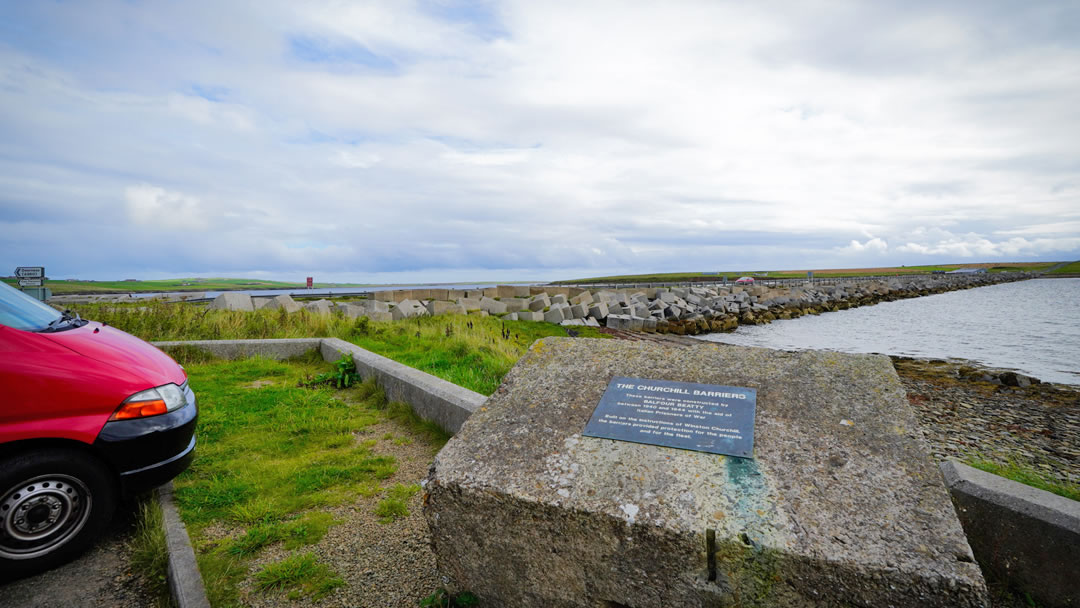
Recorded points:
(701, 417)
(32, 281)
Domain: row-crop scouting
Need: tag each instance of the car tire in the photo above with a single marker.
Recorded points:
(54, 503)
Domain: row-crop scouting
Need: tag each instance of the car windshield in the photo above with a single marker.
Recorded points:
(20, 311)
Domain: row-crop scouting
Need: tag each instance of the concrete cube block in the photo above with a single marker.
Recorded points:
(540, 302)
(559, 299)
(319, 307)
(598, 310)
(439, 307)
(582, 298)
(515, 304)
(233, 300)
(283, 301)
(492, 306)
(579, 311)
(555, 315)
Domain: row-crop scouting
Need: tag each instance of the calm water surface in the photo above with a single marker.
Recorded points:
(1030, 326)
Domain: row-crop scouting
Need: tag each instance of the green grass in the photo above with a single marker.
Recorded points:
(394, 505)
(272, 457)
(1025, 474)
(471, 351)
(149, 552)
(1073, 268)
(304, 573)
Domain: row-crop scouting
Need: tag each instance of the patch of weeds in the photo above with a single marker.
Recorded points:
(303, 573)
(444, 599)
(343, 375)
(394, 505)
(149, 552)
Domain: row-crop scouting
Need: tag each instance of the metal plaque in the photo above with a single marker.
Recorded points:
(31, 282)
(30, 272)
(701, 417)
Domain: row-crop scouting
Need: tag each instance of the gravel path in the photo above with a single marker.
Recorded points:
(102, 577)
(383, 565)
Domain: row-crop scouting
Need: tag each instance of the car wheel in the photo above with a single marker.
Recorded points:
(53, 505)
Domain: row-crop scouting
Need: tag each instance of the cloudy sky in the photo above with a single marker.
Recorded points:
(441, 140)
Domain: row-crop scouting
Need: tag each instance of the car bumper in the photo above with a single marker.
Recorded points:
(147, 452)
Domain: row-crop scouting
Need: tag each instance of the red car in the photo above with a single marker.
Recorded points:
(745, 281)
(88, 414)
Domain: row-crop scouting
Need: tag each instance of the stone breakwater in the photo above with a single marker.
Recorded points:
(679, 310)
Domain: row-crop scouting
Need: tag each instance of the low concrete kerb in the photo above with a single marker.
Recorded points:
(185, 582)
(1024, 536)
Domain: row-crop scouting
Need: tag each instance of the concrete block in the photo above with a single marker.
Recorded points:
(505, 291)
(350, 310)
(617, 322)
(528, 315)
(582, 298)
(283, 301)
(438, 307)
(470, 303)
(388, 295)
(516, 304)
(511, 317)
(840, 506)
(535, 290)
(492, 306)
(455, 294)
(636, 324)
(598, 310)
(558, 299)
(380, 316)
(318, 307)
(591, 322)
(407, 309)
(374, 305)
(1026, 537)
(573, 322)
(233, 300)
(260, 303)
(579, 311)
(490, 292)
(522, 291)
(540, 302)
(555, 315)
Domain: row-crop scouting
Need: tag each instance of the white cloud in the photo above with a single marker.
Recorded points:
(159, 208)
(565, 136)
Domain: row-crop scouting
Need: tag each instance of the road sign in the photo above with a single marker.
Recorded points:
(30, 272)
(31, 282)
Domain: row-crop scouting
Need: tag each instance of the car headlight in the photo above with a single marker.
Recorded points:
(151, 402)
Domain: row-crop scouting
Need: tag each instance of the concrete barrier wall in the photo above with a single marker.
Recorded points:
(432, 398)
(1024, 536)
(285, 348)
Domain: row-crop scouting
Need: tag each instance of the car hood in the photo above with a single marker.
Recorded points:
(121, 350)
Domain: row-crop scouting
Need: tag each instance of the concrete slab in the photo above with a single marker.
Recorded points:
(1026, 537)
(841, 505)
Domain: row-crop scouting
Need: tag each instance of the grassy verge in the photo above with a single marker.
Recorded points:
(1025, 474)
(273, 459)
(1073, 268)
(149, 552)
(473, 352)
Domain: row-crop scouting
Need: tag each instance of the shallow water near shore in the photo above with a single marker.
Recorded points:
(1029, 326)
